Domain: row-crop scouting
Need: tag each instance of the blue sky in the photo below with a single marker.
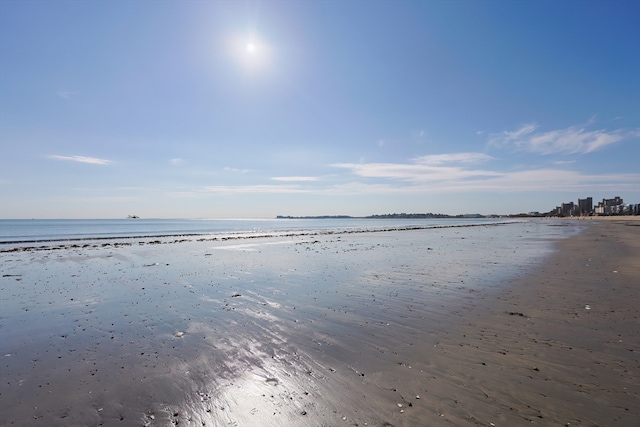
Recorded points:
(203, 109)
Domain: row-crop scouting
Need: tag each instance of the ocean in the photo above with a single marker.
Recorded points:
(23, 231)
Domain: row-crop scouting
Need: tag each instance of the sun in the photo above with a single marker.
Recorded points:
(251, 48)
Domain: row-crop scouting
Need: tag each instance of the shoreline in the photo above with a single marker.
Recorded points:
(181, 237)
(606, 218)
(66, 243)
(395, 329)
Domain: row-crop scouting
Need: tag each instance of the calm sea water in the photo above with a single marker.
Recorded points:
(47, 230)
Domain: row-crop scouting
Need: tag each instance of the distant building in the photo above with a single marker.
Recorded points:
(613, 206)
(567, 209)
(616, 201)
(585, 206)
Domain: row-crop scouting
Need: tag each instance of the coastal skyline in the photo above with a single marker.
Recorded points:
(257, 109)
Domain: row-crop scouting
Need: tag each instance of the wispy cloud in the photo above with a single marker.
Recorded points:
(450, 173)
(571, 140)
(459, 172)
(65, 94)
(425, 168)
(295, 178)
(236, 170)
(438, 159)
(260, 189)
(177, 161)
(508, 182)
(82, 159)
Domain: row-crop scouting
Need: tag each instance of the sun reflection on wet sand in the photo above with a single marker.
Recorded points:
(286, 332)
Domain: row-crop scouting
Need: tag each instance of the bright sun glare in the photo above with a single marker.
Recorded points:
(251, 48)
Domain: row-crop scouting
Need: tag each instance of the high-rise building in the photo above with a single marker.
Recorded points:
(609, 206)
(567, 209)
(612, 202)
(585, 206)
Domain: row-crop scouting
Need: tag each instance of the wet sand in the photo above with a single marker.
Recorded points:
(560, 346)
(403, 328)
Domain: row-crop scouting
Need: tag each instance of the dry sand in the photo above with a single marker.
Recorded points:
(327, 330)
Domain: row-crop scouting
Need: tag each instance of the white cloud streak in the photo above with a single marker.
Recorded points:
(433, 168)
(443, 173)
(458, 172)
(438, 159)
(255, 189)
(235, 170)
(571, 140)
(81, 159)
(547, 180)
(509, 182)
(295, 178)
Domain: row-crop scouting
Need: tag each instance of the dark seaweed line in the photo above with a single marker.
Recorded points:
(84, 239)
(229, 236)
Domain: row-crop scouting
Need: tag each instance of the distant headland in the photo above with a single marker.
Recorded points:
(584, 207)
(384, 216)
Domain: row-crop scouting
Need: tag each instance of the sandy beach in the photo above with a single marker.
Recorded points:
(560, 346)
(449, 327)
